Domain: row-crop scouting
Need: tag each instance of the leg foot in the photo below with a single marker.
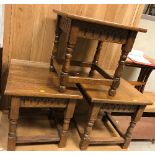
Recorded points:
(84, 143)
(52, 69)
(63, 141)
(62, 89)
(112, 92)
(11, 146)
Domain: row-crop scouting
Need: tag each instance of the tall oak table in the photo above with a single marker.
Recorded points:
(69, 28)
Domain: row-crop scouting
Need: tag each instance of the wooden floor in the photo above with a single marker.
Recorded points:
(39, 124)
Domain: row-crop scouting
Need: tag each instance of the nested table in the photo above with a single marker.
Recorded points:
(71, 27)
(144, 73)
(127, 99)
(31, 85)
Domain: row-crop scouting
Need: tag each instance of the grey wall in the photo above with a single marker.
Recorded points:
(146, 43)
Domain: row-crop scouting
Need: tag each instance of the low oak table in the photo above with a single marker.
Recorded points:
(127, 99)
(71, 27)
(31, 85)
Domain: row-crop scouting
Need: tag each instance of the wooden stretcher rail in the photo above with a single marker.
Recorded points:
(108, 140)
(87, 80)
(136, 83)
(102, 72)
(115, 125)
(75, 62)
(38, 138)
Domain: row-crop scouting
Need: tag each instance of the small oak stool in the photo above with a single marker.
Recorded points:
(71, 27)
(31, 85)
(127, 100)
(144, 73)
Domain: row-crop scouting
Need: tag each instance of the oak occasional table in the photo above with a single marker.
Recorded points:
(144, 73)
(71, 27)
(127, 99)
(31, 85)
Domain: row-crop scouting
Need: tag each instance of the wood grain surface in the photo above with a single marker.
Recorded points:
(126, 94)
(34, 79)
(29, 29)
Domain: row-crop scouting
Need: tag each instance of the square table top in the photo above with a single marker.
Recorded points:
(101, 22)
(125, 94)
(33, 79)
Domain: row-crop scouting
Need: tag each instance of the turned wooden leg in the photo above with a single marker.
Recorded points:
(134, 119)
(126, 48)
(96, 58)
(117, 75)
(149, 70)
(68, 115)
(52, 69)
(68, 55)
(55, 49)
(100, 114)
(93, 113)
(129, 134)
(14, 113)
(104, 117)
(141, 77)
(65, 69)
(56, 44)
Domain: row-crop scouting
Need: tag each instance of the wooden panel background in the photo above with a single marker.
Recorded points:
(29, 31)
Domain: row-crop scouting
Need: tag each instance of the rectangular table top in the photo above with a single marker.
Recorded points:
(101, 22)
(125, 94)
(27, 78)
